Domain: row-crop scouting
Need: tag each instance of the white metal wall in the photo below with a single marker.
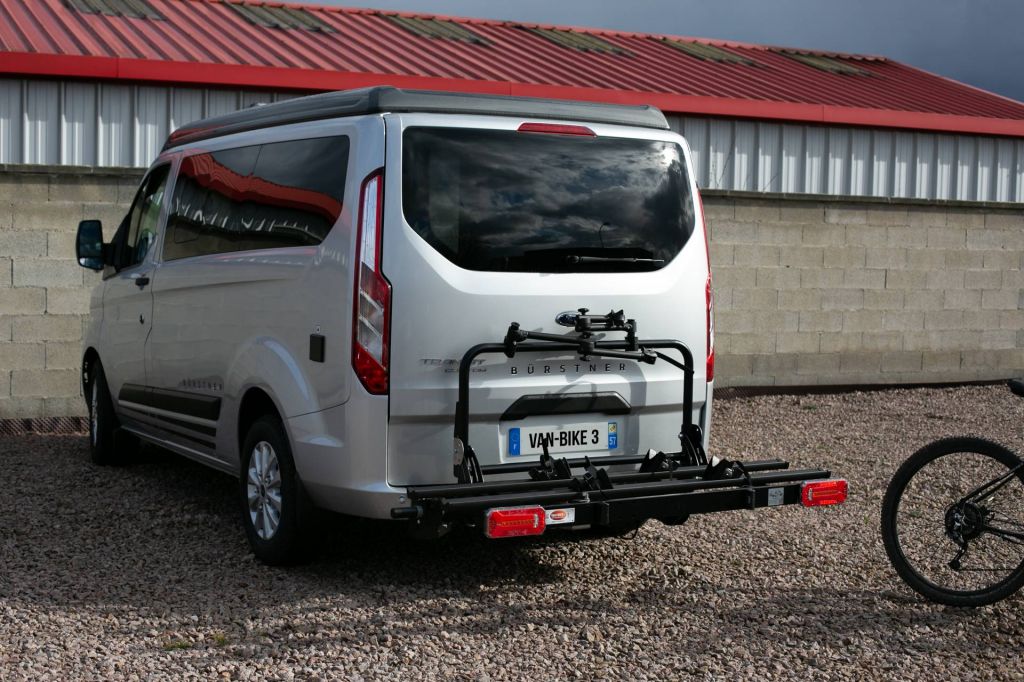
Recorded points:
(776, 157)
(99, 124)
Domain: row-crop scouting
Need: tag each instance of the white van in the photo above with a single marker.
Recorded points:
(437, 308)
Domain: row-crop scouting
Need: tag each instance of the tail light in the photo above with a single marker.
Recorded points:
(557, 129)
(823, 493)
(511, 522)
(372, 317)
(709, 297)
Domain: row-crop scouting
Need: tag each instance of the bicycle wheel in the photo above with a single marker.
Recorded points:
(945, 542)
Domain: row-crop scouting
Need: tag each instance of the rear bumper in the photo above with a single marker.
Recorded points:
(612, 500)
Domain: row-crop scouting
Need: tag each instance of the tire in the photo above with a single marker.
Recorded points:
(276, 513)
(967, 452)
(104, 445)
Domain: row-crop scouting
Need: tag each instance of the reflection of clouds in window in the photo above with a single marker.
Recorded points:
(518, 192)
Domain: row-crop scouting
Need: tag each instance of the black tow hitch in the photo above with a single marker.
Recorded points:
(669, 486)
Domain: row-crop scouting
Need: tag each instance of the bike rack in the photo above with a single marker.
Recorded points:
(670, 486)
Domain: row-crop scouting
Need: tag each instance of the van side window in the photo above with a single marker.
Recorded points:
(143, 218)
(259, 197)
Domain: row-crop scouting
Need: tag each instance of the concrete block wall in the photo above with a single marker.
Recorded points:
(44, 294)
(812, 291)
(808, 290)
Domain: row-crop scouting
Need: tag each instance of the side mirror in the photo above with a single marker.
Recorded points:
(89, 244)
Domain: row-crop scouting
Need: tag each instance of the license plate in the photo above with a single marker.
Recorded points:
(587, 437)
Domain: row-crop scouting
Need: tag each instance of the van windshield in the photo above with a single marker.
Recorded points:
(504, 200)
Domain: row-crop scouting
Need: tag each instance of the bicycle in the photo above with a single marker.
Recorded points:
(953, 520)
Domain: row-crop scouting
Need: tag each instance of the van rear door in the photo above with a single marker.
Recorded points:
(490, 220)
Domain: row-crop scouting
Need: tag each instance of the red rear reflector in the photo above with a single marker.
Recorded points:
(511, 522)
(556, 129)
(823, 493)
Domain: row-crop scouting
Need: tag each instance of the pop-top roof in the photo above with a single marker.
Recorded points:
(238, 43)
(387, 99)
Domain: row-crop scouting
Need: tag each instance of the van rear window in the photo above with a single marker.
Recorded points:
(503, 200)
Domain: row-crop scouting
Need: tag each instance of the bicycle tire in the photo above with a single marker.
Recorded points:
(890, 533)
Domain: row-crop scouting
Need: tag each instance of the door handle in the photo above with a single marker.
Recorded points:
(141, 281)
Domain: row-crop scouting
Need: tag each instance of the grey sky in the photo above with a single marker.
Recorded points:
(975, 41)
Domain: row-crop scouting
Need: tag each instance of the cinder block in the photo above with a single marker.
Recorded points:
(929, 217)
(924, 299)
(846, 215)
(945, 279)
(63, 355)
(883, 299)
(1012, 360)
(936, 361)
(857, 278)
(36, 217)
(969, 218)
(21, 356)
(926, 259)
(757, 211)
(778, 278)
(888, 215)
(1009, 319)
(841, 342)
(821, 321)
(943, 319)
(867, 235)
(755, 299)
(18, 408)
(45, 383)
(47, 328)
(842, 299)
(824, 235)
(963, 259)
(882, 341)
(862, 320)
(978, 319)
(5, 273)
(68, 301)
(983, 279)
(886, 257)
(47, 272)
(821, 363)
(726, 232)
(800, 299)
(60, 245)
(63, 407)
(845, 257)
(779, 233)
(798, 342)
(903, 320)
(734, 322)
(128, 187)
(749, 344)
(721, 254)
(802, 212)
(803, 257)
(78, 188)
(998, 260)
(961, 299)
(998, 339)
(6, 322)
(1009, 220)
(1001, 299)
(755, 255)
(732, 367)
(907, 237)
(906, 279)
(860, 362)
(23, 301)
(991, 238)
(902, 361)
(947, 237)
(24, 187)
(16, 243)
(775, 365)
(821, 278)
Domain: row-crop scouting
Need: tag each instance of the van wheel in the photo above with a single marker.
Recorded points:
(275, 511)
(103, 424)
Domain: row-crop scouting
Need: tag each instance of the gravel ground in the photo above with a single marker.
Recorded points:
(143, 572)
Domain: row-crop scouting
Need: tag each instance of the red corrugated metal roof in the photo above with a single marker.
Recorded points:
(208, 42)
